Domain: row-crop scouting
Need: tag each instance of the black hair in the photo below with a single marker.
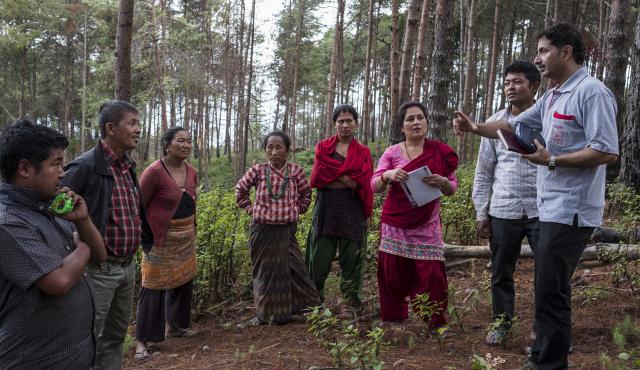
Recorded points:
(402, 112)
(529, 71)
(562, 34)
(168, 136)
(26, 140)
(345, 108)
(113, 111)
(285, 138)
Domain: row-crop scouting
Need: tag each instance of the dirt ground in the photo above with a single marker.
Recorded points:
(224, 343)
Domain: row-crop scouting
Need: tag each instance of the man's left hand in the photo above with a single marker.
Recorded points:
(540, 156)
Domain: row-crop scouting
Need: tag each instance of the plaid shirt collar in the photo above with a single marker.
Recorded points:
(124, 164)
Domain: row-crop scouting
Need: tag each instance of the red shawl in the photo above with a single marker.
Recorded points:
(397, 210)
(357, 166)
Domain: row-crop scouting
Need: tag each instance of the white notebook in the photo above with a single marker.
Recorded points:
(419, 192)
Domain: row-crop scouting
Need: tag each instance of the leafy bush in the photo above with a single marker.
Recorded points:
(457, 213)
(344, 341)
(624, 206)
(221, 246)
(626, 337)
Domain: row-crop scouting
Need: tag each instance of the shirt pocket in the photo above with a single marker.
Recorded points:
(564, 130)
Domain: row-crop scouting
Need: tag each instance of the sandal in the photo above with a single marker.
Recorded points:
(142, 352)
(255, 322)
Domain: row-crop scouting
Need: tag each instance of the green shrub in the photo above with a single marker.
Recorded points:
(624, 206)
(221, 246)
(457, 213)
(626, 337)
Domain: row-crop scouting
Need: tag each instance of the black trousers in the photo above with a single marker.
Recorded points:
(559, 250)
(157, 306)
(505, 244)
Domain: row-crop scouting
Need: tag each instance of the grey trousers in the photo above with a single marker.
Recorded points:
(114, 282)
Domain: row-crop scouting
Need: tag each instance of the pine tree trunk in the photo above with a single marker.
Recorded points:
(395, 136)
(493, 63)
(617, 55)
(123, 50)
(629, 168)
(159, 64)
(441, 71)
(469, 80)
(548, 14)
(336, 66)
(421, 50)
(296, 71)
(617, 64)
(247, 114)
(366, 116)
(603, 44)
(243, 57)
(410, 34)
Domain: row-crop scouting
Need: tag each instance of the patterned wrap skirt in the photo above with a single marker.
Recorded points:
(174, 262)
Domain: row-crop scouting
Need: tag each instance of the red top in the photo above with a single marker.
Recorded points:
(358, 166)
(161, 197)
(397, 210)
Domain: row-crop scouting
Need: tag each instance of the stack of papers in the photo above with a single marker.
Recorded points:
(419, 192)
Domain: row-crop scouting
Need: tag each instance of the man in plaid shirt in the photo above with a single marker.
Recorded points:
(105, 177)
(504, 195)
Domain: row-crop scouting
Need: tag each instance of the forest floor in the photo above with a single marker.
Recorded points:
(224, 341)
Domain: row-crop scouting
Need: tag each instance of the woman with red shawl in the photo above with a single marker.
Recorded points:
(411, 252)
(342, 171)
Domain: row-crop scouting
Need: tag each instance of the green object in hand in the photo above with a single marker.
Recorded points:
(62, 204)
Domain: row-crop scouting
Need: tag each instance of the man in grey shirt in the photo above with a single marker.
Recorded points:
(504, 195)
(46, 302)
(578, 122)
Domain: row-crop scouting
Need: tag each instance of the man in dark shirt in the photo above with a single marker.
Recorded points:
(46, 303)
(105, 177)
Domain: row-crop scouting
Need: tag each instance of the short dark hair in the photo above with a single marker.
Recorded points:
(562, 34)
(529, 70)
(344, 108)
(405, 107)
(168, 136)
(285, 138)
(26, 140)
(113, 111)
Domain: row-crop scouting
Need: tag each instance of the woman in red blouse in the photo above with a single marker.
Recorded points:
(168, 189)
(281, 283)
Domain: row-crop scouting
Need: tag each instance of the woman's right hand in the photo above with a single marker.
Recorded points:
(397, 175)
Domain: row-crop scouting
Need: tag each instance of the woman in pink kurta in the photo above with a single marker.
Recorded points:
(411, 252)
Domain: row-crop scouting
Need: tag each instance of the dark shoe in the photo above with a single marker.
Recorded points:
(527, 350)
(496, 337)
(528, 366)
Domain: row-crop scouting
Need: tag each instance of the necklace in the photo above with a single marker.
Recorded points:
(407, 150)
(283, 187)
(182, 188)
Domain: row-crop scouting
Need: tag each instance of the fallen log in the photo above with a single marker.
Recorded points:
(590, 253)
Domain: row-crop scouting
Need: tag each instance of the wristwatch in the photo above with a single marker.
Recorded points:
(552, 163)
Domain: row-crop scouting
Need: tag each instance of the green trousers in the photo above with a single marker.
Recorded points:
(321, 252)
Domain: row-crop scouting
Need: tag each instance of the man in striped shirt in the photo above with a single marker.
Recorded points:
(504, 195)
